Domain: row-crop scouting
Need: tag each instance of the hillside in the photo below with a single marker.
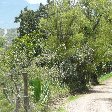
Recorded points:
(1, 32)
(61, 51)
(9, 34)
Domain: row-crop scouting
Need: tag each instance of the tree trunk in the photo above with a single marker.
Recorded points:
(17, 104)
(94, 80)
(18, 99)
(26, 98)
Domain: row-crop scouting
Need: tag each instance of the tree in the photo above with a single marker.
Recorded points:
(65, 33)
(72, 39)
(98, 13)
(81, 42)
(29, 20)
(2, 42)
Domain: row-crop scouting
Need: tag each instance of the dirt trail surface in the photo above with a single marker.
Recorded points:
(98, 100)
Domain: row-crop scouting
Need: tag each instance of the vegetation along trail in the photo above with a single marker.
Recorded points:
(98, 100)
(56, 51)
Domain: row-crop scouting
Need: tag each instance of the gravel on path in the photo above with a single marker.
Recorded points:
(98, 100)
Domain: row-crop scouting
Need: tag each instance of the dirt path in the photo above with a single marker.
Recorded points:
(98, 100)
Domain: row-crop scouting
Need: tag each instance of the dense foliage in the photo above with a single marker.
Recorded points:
(61, 48)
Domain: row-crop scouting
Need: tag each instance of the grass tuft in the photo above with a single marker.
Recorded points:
(105, 77)
(72, 98)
